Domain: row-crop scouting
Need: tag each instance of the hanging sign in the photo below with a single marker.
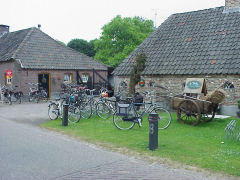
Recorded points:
(9, 73)
(141, 83)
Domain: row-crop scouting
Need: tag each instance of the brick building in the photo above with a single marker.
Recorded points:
(200, 44)
(34, 57)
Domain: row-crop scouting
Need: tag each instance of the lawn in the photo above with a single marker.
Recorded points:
(201, 146)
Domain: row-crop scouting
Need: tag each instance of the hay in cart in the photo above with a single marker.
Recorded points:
(217, 96)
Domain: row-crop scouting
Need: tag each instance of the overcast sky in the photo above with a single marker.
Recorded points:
(68, 19)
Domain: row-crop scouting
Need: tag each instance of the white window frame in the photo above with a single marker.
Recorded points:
(67, 77)
(85, 78)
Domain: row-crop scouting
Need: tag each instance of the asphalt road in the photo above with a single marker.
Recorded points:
(28, 152)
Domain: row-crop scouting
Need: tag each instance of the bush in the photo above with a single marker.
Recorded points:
(238, 104)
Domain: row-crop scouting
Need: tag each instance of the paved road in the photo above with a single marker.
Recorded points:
(27, 113)
(28, 152)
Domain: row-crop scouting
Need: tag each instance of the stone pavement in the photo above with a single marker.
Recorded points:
(131, 169)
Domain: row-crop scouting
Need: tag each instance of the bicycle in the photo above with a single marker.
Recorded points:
(55, 110)
(106, 107)
(127, 114)
(11, 96)
(87, 104)
(36, 94)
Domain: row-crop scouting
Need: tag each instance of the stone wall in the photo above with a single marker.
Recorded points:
(176, 85)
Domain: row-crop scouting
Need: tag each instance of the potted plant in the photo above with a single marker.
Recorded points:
(238, 112)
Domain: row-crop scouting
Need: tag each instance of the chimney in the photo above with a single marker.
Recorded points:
(232, 6)
(3, 29)
(39, 26)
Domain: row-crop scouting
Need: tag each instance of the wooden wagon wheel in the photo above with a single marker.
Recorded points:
(188, 112)
(210, 116)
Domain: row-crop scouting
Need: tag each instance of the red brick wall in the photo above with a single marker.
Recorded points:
(23, 76)
(56, 77)
(11, 65)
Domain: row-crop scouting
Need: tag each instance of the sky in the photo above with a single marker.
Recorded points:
(65, 20)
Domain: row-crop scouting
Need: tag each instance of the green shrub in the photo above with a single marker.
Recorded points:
(238, 104)
(135, 74)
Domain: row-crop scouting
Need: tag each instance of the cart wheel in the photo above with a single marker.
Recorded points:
(188, 112)
(210, 116)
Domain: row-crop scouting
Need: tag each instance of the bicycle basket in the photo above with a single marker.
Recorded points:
(72, 98)
(123, 109)
(104, 94)
(138, 100)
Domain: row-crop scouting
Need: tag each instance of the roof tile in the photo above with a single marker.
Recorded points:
(189, 47)
(37, 50)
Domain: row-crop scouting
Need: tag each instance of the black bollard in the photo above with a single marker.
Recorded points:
(153, 131)
(65, 115)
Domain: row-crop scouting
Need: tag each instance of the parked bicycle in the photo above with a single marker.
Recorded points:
(106, 107)
(127, 114)
(55, 110)
(36, 94)
(10, 95)
(87, 104)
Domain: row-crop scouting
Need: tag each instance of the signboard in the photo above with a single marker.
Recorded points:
(142, 83)
(195, 86)
(9, 73)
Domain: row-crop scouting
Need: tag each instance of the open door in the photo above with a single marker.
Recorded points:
(44, 82)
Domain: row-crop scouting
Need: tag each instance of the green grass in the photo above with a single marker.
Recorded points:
(201, 146)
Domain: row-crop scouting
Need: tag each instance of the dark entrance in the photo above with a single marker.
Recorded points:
(43, 80)
(95, 81)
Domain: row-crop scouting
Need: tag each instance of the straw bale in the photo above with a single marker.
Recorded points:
(217, 96)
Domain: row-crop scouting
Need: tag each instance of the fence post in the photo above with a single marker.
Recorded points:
(153, 131)
(65, 115)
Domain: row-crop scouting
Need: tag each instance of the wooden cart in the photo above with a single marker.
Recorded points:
(190, 108)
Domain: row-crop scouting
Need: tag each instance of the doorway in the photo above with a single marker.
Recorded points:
(44, 82)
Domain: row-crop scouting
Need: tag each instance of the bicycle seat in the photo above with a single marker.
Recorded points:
(146, 93)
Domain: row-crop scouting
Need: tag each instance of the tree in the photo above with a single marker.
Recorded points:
(60, 42)
(83, 46)
(135, 75)
(120, 37)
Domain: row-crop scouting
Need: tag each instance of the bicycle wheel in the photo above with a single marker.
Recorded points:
(9, 99)
(124, 122)
(53, 111)
(37, 99)
(44, 96)
(62, 95)
(30, 98)
(164, 116)
(18, 97)
(102, 110)
(86, 110)
(73, 114)
(20, 100)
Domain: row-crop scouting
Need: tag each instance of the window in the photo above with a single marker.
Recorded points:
(68, 77)
(151, 84)
(84, 78)
(8, 81)
(229, 86)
